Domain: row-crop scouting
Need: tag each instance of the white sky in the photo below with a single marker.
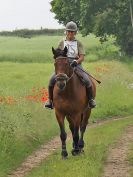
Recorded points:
(30, 14)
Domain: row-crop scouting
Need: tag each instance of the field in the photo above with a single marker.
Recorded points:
(38, 49)
(25, 68)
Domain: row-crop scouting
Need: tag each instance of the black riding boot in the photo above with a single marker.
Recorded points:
(92, 102)
(49, 104)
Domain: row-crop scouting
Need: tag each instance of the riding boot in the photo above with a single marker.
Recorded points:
(92, 102)
(49, 104)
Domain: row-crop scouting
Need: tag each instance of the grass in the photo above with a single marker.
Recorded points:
(114, 91)
(38, 49)
(128, 61)
(26, 125)
(23, 128)
(98, 140)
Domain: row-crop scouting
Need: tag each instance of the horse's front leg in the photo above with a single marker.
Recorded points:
(77, 120)
(83, 125)
(60, 118)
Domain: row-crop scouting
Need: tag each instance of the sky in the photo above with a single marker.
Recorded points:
(32, 14)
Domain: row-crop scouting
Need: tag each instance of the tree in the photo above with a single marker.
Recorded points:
(66, 10)
(101, 17)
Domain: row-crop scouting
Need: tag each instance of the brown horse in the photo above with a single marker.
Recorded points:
(70, 101)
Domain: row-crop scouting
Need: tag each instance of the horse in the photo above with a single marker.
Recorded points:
(70, 102)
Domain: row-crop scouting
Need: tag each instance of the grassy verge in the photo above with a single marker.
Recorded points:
(26, 125)
(23, 128)
(98, 140)
(114, 90)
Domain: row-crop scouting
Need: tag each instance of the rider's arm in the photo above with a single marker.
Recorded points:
(80, 59)
(81, 53)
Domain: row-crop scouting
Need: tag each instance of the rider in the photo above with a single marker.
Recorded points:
(76, 56)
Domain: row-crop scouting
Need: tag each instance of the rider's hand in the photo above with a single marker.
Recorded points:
(74, 63)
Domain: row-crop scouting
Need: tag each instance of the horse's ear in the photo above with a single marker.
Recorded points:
(53, 50)
(65, 49)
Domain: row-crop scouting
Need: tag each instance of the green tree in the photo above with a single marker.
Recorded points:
(101, 17)
(66, 10)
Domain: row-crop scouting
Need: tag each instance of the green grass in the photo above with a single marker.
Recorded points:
(26, 125)
(38, 49)
(23, 128)
(113, 95)
(98, 140)
(128, 61)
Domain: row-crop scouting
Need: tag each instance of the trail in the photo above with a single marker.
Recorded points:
(44, 151)
(117, 164)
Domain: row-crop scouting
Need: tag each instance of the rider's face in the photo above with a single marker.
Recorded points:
(70, 35)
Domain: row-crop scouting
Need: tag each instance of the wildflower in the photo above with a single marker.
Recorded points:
(10, 100)
(44, 99)
(1, 99)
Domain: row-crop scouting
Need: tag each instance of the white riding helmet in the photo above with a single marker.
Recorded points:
(71, 26)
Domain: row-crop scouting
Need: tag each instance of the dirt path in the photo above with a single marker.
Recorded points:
(37, 157)
(117, 164)
(41, 154)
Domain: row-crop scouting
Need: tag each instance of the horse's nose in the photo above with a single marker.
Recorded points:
(61, 85)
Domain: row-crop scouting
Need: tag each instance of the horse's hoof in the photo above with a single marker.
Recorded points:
(76, 152)
(81, 144)
(82, 151)
(64, 157)
(64, 154)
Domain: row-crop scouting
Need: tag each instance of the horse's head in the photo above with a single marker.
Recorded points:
(59, 53)
(62, 67)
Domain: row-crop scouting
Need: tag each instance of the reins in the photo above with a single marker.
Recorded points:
(69, 78)
(63, 74)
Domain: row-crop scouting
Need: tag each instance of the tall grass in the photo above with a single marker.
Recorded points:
(38, 49)
(114, 95)
(25, 125)
(23, 128)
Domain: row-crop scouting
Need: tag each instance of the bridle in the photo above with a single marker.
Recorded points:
(63, 76)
